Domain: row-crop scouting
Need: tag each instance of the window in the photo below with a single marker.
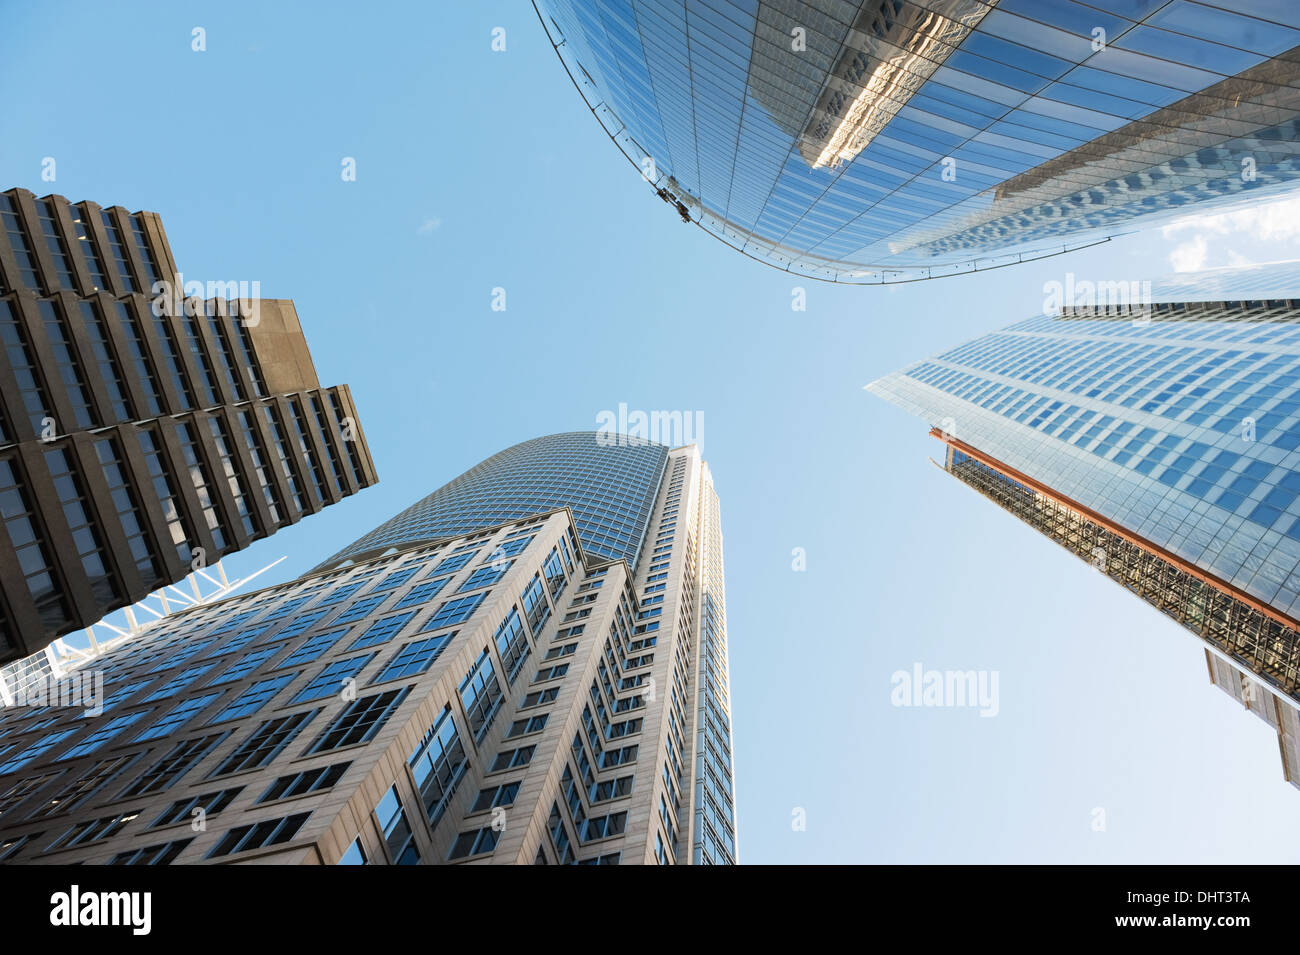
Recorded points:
(438, 764)
(81, 523)
(398, 836)
(82, 785)
(495, 796)
(272, 832)
(512, 548)
(473, 843)
(191, 453)
(512, 759)
(21, 789)
(264, 743)
(301, 623)
(143, 372)
(611, 789)
(308, 450)
(455, 611)
(415, 657)
(283, 456)
(538, 697)
(551, 673)
(18, 243)
(554, 571)
(395, 578)
(359, 722)
(512, 644)
(534, 724)
(313, 648)
(247, 664)
(452, 563)
(253, 442)
(161, 854)
(182, 757)
(341, 593)
(127, 505)
(355, 854)
(535, 606)
(66, 363)
(253, 698)
(94, 830)
(142, 246)
(46, 215)
(485, 575)
(617, 757)
(102, 735)
(307, 781)
(381, 631)
(602, 827)
(332, 679)
(422, 593)
(9, 848)
(184, 810)
(178, 717)
(481, 695)
(234, 480)
(360, 608)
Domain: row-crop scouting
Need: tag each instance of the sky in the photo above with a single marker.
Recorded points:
(479, 170)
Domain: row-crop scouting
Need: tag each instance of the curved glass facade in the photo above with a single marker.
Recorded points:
(893, 141)
(609, 487)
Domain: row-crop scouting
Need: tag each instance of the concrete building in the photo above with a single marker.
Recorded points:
(498, 694)
(143, 433)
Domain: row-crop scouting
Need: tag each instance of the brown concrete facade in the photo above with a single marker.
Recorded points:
(139, 441)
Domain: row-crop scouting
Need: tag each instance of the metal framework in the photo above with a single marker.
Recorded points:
(205, 585)
(1253, 637)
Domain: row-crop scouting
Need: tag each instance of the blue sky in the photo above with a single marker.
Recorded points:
(479, 170)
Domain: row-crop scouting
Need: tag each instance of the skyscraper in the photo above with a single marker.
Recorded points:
(1160, 444)
(495, 694)
(891, 140)
(142, 434)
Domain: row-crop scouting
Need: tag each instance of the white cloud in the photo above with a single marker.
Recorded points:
(1190, 256)
(428, 226)
(1202, 234)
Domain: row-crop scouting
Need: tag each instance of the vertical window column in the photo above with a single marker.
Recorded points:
(69, 368)
(164, 491)
(81, 523)
(18, 351)
(31, 549)
(90, 253)
(118, 253)
(28, 273)
(46, 214)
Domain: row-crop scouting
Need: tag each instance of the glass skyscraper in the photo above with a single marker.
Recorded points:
(889, 141)
(1159, 443)
(493, 693)
(609, 487)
